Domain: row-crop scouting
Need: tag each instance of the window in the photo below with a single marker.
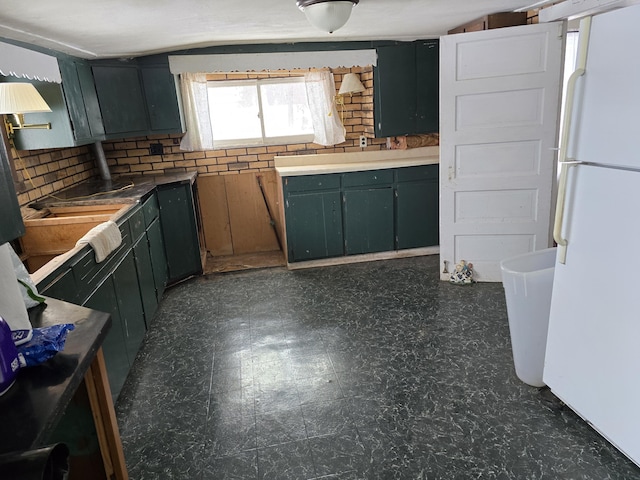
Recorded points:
(259, 112)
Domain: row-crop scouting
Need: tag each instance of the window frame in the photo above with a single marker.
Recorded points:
(264, 141)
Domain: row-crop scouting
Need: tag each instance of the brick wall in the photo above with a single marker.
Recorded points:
(132, 156)
(44, 172)
(53, 170)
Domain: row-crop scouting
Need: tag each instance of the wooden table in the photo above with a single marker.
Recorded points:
(47, 402)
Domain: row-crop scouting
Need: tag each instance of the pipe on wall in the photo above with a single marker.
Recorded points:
(101, 162)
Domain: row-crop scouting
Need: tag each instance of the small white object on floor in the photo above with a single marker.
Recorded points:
(103, 238)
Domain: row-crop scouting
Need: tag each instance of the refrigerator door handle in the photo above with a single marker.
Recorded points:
(581, 63)
(559, 219)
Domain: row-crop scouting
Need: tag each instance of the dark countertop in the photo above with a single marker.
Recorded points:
(31, 409)
(125, 189)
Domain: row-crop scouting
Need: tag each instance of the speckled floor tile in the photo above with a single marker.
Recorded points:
(366, 371)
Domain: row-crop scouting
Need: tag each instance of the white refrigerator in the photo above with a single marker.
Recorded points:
(592, 360)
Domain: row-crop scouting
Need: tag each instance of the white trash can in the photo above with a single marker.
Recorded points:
(528, 283)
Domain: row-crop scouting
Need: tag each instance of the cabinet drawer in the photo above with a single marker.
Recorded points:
(137, 225)
(311, 182)
(370, 178)
(411, 174)
(150, 210)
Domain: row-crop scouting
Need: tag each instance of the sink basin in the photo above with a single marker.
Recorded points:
(55, 230)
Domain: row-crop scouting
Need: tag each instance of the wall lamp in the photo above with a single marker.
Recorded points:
(16, 99)
(327, 15)
(350, 84)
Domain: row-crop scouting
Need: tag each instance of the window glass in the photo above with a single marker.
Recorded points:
(285, 110)
(259, 112)
(234, 110)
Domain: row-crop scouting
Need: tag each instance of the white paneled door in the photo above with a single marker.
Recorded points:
(499, 110)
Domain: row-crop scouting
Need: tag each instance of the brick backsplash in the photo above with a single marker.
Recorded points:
(53, 170)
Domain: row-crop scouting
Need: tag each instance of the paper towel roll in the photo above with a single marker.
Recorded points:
(12, 307)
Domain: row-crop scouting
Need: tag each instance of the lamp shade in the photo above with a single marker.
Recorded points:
(21, 98)
(327, 15)
(351, 84)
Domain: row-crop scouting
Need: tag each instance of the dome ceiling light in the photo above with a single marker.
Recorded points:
(327, 15)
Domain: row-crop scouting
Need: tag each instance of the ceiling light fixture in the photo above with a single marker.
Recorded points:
(327, 15)
(17, 99)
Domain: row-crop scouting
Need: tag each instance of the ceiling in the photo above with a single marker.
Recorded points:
(125, 28)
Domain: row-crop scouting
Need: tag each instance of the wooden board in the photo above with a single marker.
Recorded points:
(214, 211)
(251, 230)
(56, 238)
(270, 184)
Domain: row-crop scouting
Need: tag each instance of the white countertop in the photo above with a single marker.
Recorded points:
(294, 165)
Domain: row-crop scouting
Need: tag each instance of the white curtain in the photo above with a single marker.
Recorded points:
(321, 91)
(195, 101)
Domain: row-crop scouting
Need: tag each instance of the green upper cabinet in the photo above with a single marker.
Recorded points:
(428, 86)
(406, 89)
(81, 99)
(137, 100)
(11, 226)
(162, 100)
(121, 99)
(75, 118)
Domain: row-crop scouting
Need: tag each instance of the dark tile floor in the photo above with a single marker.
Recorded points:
(364, 371)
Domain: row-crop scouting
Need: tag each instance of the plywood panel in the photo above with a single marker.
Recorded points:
(271, 188)
(215, 215)
(251, 230)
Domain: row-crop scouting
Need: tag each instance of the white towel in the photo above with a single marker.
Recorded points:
(103, 238)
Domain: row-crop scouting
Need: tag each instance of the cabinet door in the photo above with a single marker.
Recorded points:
(11, 226)
(146, 281)
(158, 257)
(90, 97)
(417, 207)
(129, 304)
(114, 346)
(395, 90)
(368, 220)
(61, 133)
(179, 230)
(121, 99)
(162, 99)
(314, 225)
(74, 100)
(427, 86)
(62, 287)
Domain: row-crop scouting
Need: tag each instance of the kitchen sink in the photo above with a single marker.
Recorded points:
(55, 230)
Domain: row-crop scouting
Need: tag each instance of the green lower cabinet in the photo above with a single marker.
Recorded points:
(368, 220)
(130, 304)
(417, 215)
(417, 207)
(314, 225)
(119, 295)
(362, 212)
(158, 258)
(62, 287)
(114, 346)
(146, 280)
(179, 230)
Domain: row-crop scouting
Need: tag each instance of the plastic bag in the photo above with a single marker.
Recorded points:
(28, 288)
(44, 344)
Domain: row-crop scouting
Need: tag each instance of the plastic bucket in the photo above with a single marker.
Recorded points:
(528, 283)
